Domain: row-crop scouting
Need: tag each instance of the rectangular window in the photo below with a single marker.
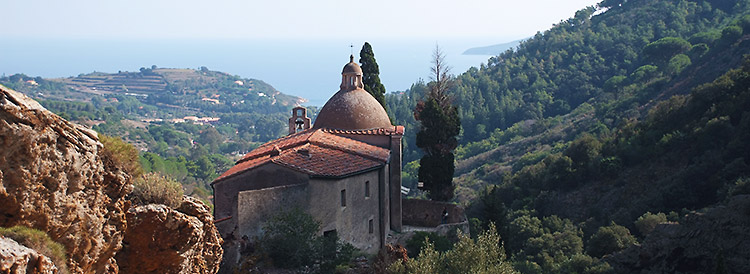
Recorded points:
(367, 189)
(371, 226)
(343, 197)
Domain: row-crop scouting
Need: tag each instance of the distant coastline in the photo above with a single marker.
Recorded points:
(305, 68)
(493, 50)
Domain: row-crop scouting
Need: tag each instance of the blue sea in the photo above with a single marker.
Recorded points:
(307, 68)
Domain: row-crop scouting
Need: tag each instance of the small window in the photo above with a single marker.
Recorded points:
(371, 226)
(367, 189)
(343, 197)
(299, 112)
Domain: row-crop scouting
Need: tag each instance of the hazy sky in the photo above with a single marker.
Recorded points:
(282, 18)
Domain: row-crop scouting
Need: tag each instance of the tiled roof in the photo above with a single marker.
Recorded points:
(396, 130)
(315, 152)
(325, 162)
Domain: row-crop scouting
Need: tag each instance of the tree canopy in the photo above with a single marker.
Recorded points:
(371, 74)
(440, 125)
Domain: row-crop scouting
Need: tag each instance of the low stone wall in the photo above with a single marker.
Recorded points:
(426, 213)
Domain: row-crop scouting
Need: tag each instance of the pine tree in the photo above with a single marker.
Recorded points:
(370, 74)
(440, 125)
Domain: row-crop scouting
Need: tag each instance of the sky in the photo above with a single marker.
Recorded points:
(283, 19)
(296, 46)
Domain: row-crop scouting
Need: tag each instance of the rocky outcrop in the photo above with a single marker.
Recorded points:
(54, 178)
(164, 240)
(717, 241)
(18, 259)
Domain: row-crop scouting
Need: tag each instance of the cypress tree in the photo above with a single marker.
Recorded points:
(370, 74)
(440, 125)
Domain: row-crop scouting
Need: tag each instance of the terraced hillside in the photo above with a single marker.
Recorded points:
(102, 83)
(206, 84)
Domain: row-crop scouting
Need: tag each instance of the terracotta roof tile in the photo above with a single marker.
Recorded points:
(350, 145)
(325, 162)
(282, 143)
(315, 152)
(244, 165)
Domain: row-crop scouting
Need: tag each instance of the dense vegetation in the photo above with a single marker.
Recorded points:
(483, 255)
(578, 143)
(686, 154)
(587, 57)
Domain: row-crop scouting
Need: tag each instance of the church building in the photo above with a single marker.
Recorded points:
(344, 170)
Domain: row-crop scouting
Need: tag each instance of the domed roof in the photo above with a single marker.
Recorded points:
(352, 67)
(352, 110)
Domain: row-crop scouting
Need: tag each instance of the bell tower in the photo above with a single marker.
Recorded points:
(351, 77)
(299, 120)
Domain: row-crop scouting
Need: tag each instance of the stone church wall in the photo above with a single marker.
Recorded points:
(351, 222)
(226, 192)
(257, 206)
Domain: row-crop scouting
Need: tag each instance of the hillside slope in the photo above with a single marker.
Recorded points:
(591, 56)
(601, 127)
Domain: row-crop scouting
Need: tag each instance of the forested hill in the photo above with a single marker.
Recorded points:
(599, 57)
(583, 140)
(186, 89)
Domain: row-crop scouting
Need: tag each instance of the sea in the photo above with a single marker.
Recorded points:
(308, 68)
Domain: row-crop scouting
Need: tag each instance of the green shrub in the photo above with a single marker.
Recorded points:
(584, 264)
(610, 239)
(698, 50)
(39, 241)
(678, 63)
(120, 154)
(706, 37)
(153, 188)
(730, 34)
(484, 256)
(644, 73)
(646, 223)
(741, 186)
(417, 242)
(663, 49)
(291, 241)
(614, 83)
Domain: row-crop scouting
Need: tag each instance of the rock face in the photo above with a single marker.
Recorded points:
(53, 178)
(18, 259)
(711, 242)
(163, 240)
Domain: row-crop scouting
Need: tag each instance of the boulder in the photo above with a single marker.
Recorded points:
(18, 259)
(160, 239)
(54, 178)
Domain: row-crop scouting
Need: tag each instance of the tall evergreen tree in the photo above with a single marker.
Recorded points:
(440, 125)
(371, 74)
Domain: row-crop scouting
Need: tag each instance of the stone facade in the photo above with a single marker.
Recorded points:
(345, 171)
